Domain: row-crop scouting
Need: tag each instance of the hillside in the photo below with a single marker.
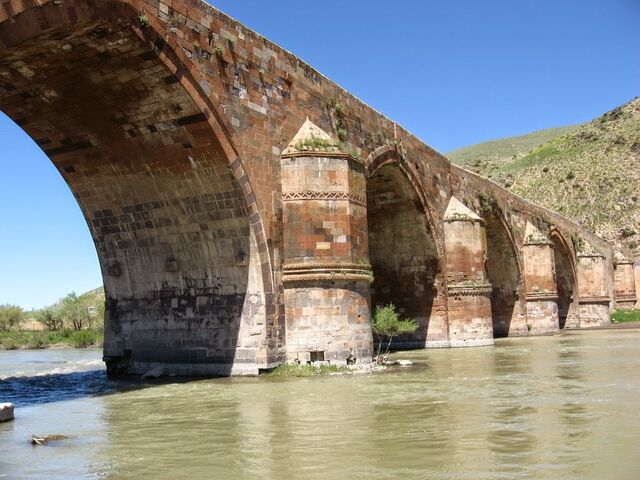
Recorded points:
(590, 173)
(486, 157)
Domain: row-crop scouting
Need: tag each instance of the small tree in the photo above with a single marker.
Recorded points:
(10, 317)
(51, 318)
(75, 311)
(387, 324)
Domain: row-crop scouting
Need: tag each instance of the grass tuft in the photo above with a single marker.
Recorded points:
(625, 316)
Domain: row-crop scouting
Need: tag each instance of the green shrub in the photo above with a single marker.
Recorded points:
(10, 317)
(51, 318)
(85, 338)
(36, 341)
(387, 324)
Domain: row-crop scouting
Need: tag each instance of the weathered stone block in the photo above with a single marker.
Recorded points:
(6, 412)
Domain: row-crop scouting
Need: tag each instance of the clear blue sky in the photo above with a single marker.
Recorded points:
(453, 73)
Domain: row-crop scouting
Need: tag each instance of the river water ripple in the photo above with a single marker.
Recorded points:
(563, 407)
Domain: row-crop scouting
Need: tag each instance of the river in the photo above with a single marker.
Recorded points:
(562, 407)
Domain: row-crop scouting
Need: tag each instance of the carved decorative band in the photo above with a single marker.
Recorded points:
(331, 271)
(470, 289)
(327, 266)
(595, 299)
(461, 217)
(537, 243)
(626, 261)
(625, 297)
(322, 154)
(541, 297)
(309, 195)
(334, 276)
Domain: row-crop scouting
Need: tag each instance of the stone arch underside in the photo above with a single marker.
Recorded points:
(565, 277)
(404, 256)
(503, 272)
(170, 222)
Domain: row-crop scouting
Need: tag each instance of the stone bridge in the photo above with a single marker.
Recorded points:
(247, 211)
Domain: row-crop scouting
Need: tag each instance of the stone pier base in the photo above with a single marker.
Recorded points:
(542, 315)
(594, 313)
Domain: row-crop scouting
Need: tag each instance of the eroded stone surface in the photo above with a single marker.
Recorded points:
(6, 412)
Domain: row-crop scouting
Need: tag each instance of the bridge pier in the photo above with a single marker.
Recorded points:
(594, 299)
(625, 284)
(540, 286)
(469, 292)
(636, 275)
(326, 272)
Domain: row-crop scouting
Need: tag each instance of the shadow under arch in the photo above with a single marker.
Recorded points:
(503, 266)
(118, 109)
(566, 280)
(405, 255)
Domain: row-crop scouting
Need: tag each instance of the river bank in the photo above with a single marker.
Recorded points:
(625, 316)
(37, 340)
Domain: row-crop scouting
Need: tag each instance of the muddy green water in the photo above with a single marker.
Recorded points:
(564, 407)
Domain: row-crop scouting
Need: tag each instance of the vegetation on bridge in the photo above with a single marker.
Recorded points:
(387, 324)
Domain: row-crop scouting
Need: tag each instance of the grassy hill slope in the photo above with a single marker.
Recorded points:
(486, 157)
(590, 173)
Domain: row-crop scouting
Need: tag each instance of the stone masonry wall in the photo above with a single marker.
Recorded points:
(541, 293)
(168, 120)
(594, 298)
(469, 292)
(625, 285)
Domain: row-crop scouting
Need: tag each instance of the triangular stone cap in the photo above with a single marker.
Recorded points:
(533, 235)
(456, 211)
(620, 258)
(585, 249)
(311, 138)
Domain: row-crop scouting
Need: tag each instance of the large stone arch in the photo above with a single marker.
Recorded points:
(566, 281)
(504, 272)
(404, 249)
(120, 112)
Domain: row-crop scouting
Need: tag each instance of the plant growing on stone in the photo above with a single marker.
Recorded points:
(218, 50)
(144, 20)
(340, 121)
(314, 143)
(486, 202)
(386, 325)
